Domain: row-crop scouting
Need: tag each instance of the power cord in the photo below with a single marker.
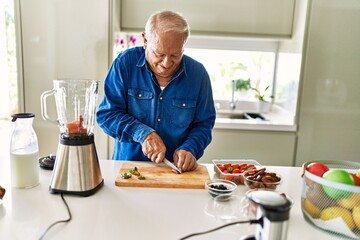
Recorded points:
(60, 221)
(252, 221)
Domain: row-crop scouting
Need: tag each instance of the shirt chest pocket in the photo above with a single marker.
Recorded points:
(183, 112)
(139, 103)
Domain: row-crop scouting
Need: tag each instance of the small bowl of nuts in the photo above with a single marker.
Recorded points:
(260, 178)
(220, 189)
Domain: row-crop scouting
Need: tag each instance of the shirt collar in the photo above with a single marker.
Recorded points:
(142, 60)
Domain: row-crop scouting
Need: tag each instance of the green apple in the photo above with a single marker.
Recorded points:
(340, 176)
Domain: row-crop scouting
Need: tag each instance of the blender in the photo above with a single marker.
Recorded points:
(273, 210)
(76, 169)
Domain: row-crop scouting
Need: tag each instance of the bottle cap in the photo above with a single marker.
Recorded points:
(21, 115)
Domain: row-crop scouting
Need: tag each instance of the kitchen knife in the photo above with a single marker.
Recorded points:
(170, 164)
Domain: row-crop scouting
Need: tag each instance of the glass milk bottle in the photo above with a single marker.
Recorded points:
(24, 152)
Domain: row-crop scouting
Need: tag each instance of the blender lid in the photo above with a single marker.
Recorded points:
(47, 162)
(268, 198)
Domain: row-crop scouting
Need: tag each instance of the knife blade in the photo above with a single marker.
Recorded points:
(170, 164)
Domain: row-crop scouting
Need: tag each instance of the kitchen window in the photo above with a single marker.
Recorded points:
(227, 59)
(8, 74)
(8, 67)
(224, 66)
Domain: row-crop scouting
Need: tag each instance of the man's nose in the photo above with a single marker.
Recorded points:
(167, 62)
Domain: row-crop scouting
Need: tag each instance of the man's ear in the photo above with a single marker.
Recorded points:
(144, 39)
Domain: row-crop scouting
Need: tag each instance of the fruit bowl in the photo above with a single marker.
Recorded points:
(262, 179)
(220, 189)
(329, 201)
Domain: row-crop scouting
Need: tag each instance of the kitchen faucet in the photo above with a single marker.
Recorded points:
(233, 102)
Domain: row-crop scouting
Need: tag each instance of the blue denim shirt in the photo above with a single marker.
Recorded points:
(183, 114)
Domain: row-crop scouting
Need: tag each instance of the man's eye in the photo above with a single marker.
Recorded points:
(158, 55)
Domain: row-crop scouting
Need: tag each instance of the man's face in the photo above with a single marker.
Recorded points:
(164, 53)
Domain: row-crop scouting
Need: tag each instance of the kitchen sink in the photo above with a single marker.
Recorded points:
(241, 115)
(243, 110)
(231, 115)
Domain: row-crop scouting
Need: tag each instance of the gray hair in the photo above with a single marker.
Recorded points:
(166, 21)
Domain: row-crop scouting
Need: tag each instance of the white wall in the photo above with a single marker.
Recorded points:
(61, 39)
(289, 61)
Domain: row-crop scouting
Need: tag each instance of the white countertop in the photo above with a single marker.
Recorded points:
(133, 213)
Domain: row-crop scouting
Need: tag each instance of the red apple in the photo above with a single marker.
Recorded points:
(356, 179)
(317, 168)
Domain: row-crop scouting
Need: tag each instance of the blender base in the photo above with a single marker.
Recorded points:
(79, 193)
(76, 170)
(248, 237)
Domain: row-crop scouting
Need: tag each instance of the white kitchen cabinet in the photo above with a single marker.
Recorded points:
(267, 147)
(227, 17)
(329, 114)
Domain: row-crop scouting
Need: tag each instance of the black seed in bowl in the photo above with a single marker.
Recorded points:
(219, 187)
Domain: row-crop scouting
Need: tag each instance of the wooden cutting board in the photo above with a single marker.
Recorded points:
(161, 176)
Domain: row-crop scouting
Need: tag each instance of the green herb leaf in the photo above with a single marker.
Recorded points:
(132, 171)
(126, 175)
(135, 171)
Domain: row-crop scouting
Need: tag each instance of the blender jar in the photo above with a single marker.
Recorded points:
(75, 105)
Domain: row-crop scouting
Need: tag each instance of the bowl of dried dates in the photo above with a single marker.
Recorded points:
(260, 178)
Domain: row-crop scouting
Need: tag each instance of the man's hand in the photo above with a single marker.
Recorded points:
(185, 160)
(154, 148)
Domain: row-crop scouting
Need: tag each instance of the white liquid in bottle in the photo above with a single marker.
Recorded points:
(24, 169)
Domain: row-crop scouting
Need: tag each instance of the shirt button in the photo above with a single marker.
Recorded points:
(160, 98)
(158, 119)
(184, 105)
(140, 95)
